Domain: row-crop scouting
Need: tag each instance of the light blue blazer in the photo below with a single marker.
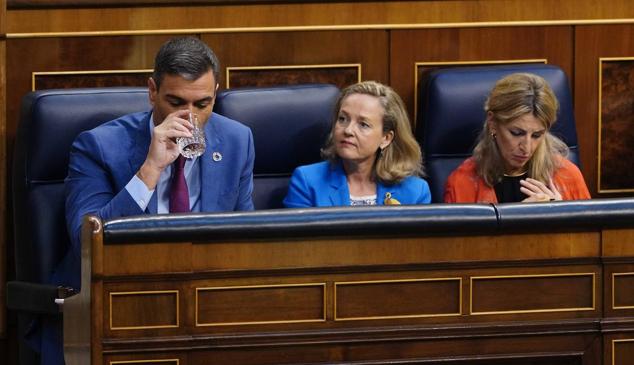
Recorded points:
(325, 185)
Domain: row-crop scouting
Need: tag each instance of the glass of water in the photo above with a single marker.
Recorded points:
(195, 145)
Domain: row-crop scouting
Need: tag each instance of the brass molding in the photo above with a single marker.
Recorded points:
(146, 293)
(613, 277)
(614, 347)
(553, 310)
(303, 28)
(90, 72)
(242, 287)
(463, 63)
(176, 361)
(290, 67)
(343, 283)
(599, 190)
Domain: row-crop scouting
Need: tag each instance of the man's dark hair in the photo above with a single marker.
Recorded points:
(188, 57)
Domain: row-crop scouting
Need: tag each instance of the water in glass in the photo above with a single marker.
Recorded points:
(195, 145)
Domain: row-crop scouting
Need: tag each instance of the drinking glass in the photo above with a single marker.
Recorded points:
(193, 146)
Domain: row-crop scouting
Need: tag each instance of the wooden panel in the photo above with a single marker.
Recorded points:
(144, 310)
(154, 359)
(77, 79)
(618, 242)
(369, 49)
(147, 362)
(398, 299)
(377, 251)
(73, 55)
(622, 352)
(616, 135)
(339, 75)
(503, 350)
(260, 304)
(144, 259)
(408, 47)
(527, 293)
(591, 44)
(315, 13)
(622, 290)
(4, 206)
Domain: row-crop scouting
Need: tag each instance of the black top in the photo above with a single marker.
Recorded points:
(508, 189)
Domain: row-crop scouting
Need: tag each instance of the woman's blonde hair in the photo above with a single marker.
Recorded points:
(402, 157)
(512, 97)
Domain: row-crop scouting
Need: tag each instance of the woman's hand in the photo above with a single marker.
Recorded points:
(537, 191)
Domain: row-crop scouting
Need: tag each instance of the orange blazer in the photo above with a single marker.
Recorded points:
(465, 186)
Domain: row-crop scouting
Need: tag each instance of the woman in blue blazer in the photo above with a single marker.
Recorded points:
(371, 155)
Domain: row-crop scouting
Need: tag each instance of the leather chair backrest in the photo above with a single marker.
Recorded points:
(49, 122)
(289, 124)
(451, 115)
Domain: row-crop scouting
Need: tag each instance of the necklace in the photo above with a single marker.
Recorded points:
(517, 174)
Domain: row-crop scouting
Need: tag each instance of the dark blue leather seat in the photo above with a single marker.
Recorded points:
(289, 124)
(451, 115)
(49, 122)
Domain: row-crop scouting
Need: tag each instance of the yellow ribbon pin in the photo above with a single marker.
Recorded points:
(389, 200)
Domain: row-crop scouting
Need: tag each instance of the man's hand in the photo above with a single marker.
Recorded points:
(163, 148)
(537, 191)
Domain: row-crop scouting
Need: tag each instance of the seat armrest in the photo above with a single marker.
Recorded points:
(36, 298)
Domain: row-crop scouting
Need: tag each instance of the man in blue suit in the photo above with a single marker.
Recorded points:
(125, 167)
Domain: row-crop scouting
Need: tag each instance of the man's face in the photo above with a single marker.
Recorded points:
(177, 93)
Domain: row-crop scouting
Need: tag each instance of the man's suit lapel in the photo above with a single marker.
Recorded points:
(210, 178)
(338, 191)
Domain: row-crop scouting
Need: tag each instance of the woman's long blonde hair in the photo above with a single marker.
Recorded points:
(512, 97)
(402, 157)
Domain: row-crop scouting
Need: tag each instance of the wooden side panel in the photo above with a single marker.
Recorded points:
(591, 44)
(3, 169)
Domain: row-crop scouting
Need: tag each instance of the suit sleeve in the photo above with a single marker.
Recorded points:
(89, 188)
(425, 196)
(570, 182)
(245, 188)
(298, 195)
(450, 189)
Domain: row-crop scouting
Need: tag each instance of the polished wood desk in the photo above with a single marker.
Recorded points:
(472, 284)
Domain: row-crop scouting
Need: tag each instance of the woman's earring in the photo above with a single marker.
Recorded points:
(493, 135)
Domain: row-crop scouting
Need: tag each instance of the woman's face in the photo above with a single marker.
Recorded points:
(358, 131)
(517, 141)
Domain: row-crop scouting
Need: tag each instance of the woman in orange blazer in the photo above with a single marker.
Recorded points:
(516, 158)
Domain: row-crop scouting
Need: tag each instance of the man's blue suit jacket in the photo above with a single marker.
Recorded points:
(325, 185)
(104, 159)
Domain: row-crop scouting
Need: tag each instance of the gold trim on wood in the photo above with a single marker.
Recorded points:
(613, 298)
(458, 63)
(290, 67)
(242, 287)
(146, 293)
(385, 26)
(599, 190)
(473, 278)
(144, 361)
(90, 72)
(614, 346)
(342, 283)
